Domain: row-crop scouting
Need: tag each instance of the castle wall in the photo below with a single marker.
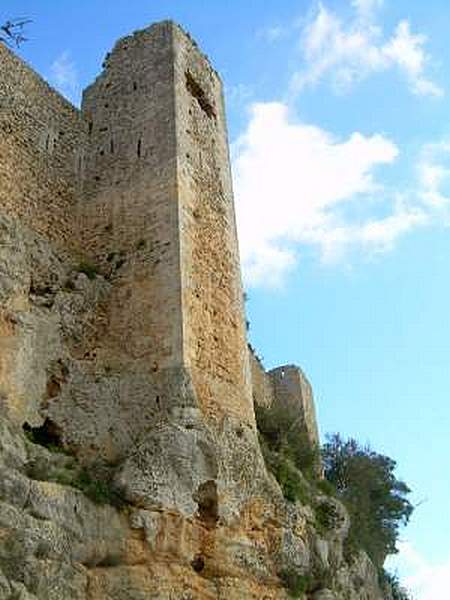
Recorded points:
(214, 335)
(262, 389)
(41, 143)
(130, 214)
(293, 393)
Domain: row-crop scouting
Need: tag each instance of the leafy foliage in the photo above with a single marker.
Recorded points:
(95, 482)
(390, 584)
(283, 437)
(99, 490)
(375, 498)
(327, 517)
(295, 584)
(287, 452)
(89, 269)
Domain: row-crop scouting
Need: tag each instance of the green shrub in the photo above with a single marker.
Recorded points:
(295, 584)
(326, 487)
(98, 487)
(89, 269)
(288, 476)
(327, 516)
(290, 480)
(282, 434)
(390, 584)
(375, 499)
(100, 491)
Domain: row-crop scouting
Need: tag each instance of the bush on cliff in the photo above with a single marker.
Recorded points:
(391, 586)
(376, 500)
(284, 439)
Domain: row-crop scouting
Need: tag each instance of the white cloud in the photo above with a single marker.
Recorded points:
(366, 8)
(64, 75)
(425, 579)
(434, 176)
(295, 185)
(298, 186)
(347, 52)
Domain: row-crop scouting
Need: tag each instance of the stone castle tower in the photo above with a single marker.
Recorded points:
(148, 346)
(156, 177)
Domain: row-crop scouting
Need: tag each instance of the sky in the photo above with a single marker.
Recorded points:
(338, 115)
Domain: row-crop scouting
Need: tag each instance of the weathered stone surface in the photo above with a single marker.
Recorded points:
(130, 465)
(56, 543)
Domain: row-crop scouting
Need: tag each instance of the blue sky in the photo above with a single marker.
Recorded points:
(338, 118)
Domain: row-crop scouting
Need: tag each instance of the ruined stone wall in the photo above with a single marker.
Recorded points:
(262, 389)
(214, 333)
(130, 214)
(41, 143)
(288, 389)
(293, 392)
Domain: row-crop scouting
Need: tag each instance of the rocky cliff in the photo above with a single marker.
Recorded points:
(130, 461)
(68, 529)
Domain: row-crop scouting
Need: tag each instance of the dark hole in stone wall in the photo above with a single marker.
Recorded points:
(39, 290)
(53, 387)
(139, 148)
(198, 563)
(199, 94)
(208, 502)
(48, 434)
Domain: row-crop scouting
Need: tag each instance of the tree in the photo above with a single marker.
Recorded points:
(375, 498)
(390, 584)
(12, 32)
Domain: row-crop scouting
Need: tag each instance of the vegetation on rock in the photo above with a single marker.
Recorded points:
(363, 480)
(376, 500)
(285, 446)
(95, 482)
(391, 585)
(89, 269)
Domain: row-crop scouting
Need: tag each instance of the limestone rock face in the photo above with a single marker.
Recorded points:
(57, 543)
(130, 464)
